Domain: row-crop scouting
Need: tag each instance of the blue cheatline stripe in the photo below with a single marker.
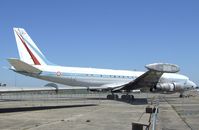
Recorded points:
(86, 75)
(39, 54)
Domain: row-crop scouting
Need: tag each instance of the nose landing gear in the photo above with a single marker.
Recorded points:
(181, 95)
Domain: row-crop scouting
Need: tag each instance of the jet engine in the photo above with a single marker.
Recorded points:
(169, 87)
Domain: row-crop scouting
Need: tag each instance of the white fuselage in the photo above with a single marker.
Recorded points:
(92, 77)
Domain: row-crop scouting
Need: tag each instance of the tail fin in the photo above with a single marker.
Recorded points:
(28, 51)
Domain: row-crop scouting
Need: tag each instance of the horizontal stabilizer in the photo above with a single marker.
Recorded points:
(21, 66)
(163, 67)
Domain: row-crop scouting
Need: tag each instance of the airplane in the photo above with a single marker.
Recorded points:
(159, 77)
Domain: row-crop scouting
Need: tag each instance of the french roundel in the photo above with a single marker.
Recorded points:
(58, 73)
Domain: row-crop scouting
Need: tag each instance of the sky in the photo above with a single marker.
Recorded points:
(115, 34)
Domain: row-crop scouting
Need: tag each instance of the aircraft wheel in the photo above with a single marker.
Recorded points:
(181, 96)
(113, 97)
(132, 97)
(123, 97)
(128, 97)
(109, 96)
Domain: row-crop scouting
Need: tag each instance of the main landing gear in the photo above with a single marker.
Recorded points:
(127, 97)
(113, 96)
(123, 97)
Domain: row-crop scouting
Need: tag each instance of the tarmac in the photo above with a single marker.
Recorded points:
(94, 112)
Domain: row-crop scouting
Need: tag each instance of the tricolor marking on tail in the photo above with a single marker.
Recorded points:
(29, 51)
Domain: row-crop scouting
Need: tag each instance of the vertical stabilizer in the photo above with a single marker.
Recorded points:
(28, 51)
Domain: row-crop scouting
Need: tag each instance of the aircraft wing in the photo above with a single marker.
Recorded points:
(150, 78)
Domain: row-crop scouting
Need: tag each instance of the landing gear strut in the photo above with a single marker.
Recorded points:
(181, 95)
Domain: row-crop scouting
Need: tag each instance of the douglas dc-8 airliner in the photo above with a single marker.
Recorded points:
(159, 77)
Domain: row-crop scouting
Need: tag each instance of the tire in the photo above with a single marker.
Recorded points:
(109, 96)
(123, 97)
(132, 97)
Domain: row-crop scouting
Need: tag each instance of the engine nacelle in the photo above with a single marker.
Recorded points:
(170, 87)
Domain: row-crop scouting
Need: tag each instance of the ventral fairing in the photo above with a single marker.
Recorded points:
(159, 77)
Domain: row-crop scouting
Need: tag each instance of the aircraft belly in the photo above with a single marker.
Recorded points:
(80, 81)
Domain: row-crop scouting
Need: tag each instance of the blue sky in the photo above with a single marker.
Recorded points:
(104, 34)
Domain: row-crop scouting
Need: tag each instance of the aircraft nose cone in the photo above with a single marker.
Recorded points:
(194, 85)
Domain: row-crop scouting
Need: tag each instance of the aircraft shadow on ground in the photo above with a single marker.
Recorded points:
(37, 108)
(136, 101)
(140, 101)
(9, 100)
